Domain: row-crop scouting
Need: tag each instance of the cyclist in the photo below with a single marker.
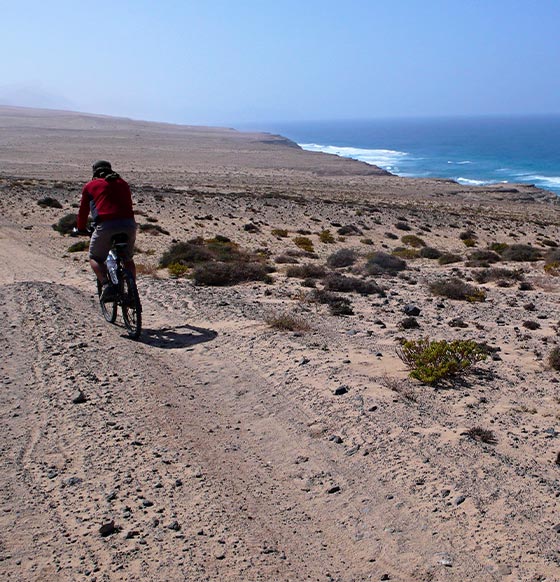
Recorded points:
(107, 196)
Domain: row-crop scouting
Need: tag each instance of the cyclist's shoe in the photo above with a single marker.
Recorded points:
(108, 293)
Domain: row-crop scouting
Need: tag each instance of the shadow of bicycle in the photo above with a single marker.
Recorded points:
(171, 338)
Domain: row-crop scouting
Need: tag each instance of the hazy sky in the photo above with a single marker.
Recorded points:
(227, 62)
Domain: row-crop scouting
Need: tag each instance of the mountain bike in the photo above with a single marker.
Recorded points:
(126, 292)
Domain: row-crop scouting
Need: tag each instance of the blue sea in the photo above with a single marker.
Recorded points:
(470, 150)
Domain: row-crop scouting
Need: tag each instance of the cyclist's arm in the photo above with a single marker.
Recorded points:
(83, 213)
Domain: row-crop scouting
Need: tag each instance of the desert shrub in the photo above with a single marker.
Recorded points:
(338, 305)
(151, 219)
(300, 253)
(186, 253)
(432, 362)
(552, 262)
(325, 236)
(409, 323)
(554, 358)
(520, 253)
(455, 288)
(48, 202)
(380, 262)
(469, 242)
(549, 243)
(66, 223)
(285, 259)
(343, 284)
(177, 270)
(402, 226)
(287, 322)
(391, 235)
(81, 245)
(404, 253)
(349, 230)
(467, 235)
(449, 258)
(412, 240)
(497, 274)
(154, 229)
(430, 253)
(146, 269)
(525, 286)
(251, 227)
(220, 274)
(532, 325)
(482, 258)
(309, 271)
(482, 435)
(304, 243)
(498, 247)
(366, 241)
(342, 258)
(279, 232)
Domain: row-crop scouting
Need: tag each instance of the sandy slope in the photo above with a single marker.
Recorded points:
(217, 445)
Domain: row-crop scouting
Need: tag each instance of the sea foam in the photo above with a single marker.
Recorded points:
(387, 159)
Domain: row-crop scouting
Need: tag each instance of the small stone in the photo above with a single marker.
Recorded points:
(335, 439)
(133, 533)
(108, 529)
(446, 560)
(147, 503)
(71, 481)
(556, 528)
(78, 397)
(304, 361)
(385, 577)
(333, 489)
(174, 525)
(411, 310)
(460, 500)
(340, 390)
(446, 493)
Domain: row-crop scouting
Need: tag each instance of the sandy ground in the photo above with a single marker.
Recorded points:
(216, 444)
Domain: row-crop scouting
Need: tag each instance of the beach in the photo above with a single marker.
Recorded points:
(224, 447)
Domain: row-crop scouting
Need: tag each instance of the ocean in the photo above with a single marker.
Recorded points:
(470, 150)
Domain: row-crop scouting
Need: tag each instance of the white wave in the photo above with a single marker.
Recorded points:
(544, 181)
(459, 163)
(467, 182)
(386, 159)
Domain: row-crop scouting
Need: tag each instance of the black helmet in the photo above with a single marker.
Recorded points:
(101, 164)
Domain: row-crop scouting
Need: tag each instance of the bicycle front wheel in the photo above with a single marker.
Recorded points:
(131, 307)
(108, 309)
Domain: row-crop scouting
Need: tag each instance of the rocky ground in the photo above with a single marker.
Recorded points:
(221, 448)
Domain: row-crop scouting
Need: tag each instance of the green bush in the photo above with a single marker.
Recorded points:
(279, 232)
(325, 236)
(432, 362)
(404, 253)
(304, 243)
(455, 288)
(412, 240)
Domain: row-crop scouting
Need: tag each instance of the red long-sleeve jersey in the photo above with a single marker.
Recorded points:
(106, 200)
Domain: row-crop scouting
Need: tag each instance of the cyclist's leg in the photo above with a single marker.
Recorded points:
(128, 259)
(99, 247)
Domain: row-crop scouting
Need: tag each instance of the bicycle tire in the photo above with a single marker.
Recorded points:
(108, 309)
(131, 307)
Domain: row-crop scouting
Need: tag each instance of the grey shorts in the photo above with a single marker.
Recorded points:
(100, 243)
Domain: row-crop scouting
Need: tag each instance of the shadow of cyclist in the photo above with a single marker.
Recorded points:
(171, 338)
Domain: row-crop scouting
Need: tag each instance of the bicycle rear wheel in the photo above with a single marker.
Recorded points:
(108, 309)
(131, 307)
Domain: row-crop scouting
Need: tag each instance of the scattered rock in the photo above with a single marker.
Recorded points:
(460, 500)
(411, 310)
(336, 439)
(108, 529)
(174, 525)
(343, 389)
(78, 397)
(71, 481)
(333, 489)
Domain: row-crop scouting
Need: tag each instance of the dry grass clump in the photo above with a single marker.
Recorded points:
(81, 245)
(483, 258)
(449, 258)
(325, 236)
(532, 325)
(187, 254)
(287, 322)
(299, 253)
(432, 362)
(379, 263)
(308, 271)
(430, 253)
(412, 240)
(521, 253)
(554, 358)
(498, 274)
(349, 230)
(404, 253)
(342, 258)
(49, 202)
(220, 274)
(66, 223)
(402, 226)
(304, 243)
(338, 305)
(151, 228)
(455, 288)
(176, 270)
(279, 232)
(146, 269)
(391, 236)
(498, 247)
(285, 260)
(552, 262)
(344, 284)
(481, 435)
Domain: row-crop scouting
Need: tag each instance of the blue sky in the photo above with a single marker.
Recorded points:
(228, 62)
